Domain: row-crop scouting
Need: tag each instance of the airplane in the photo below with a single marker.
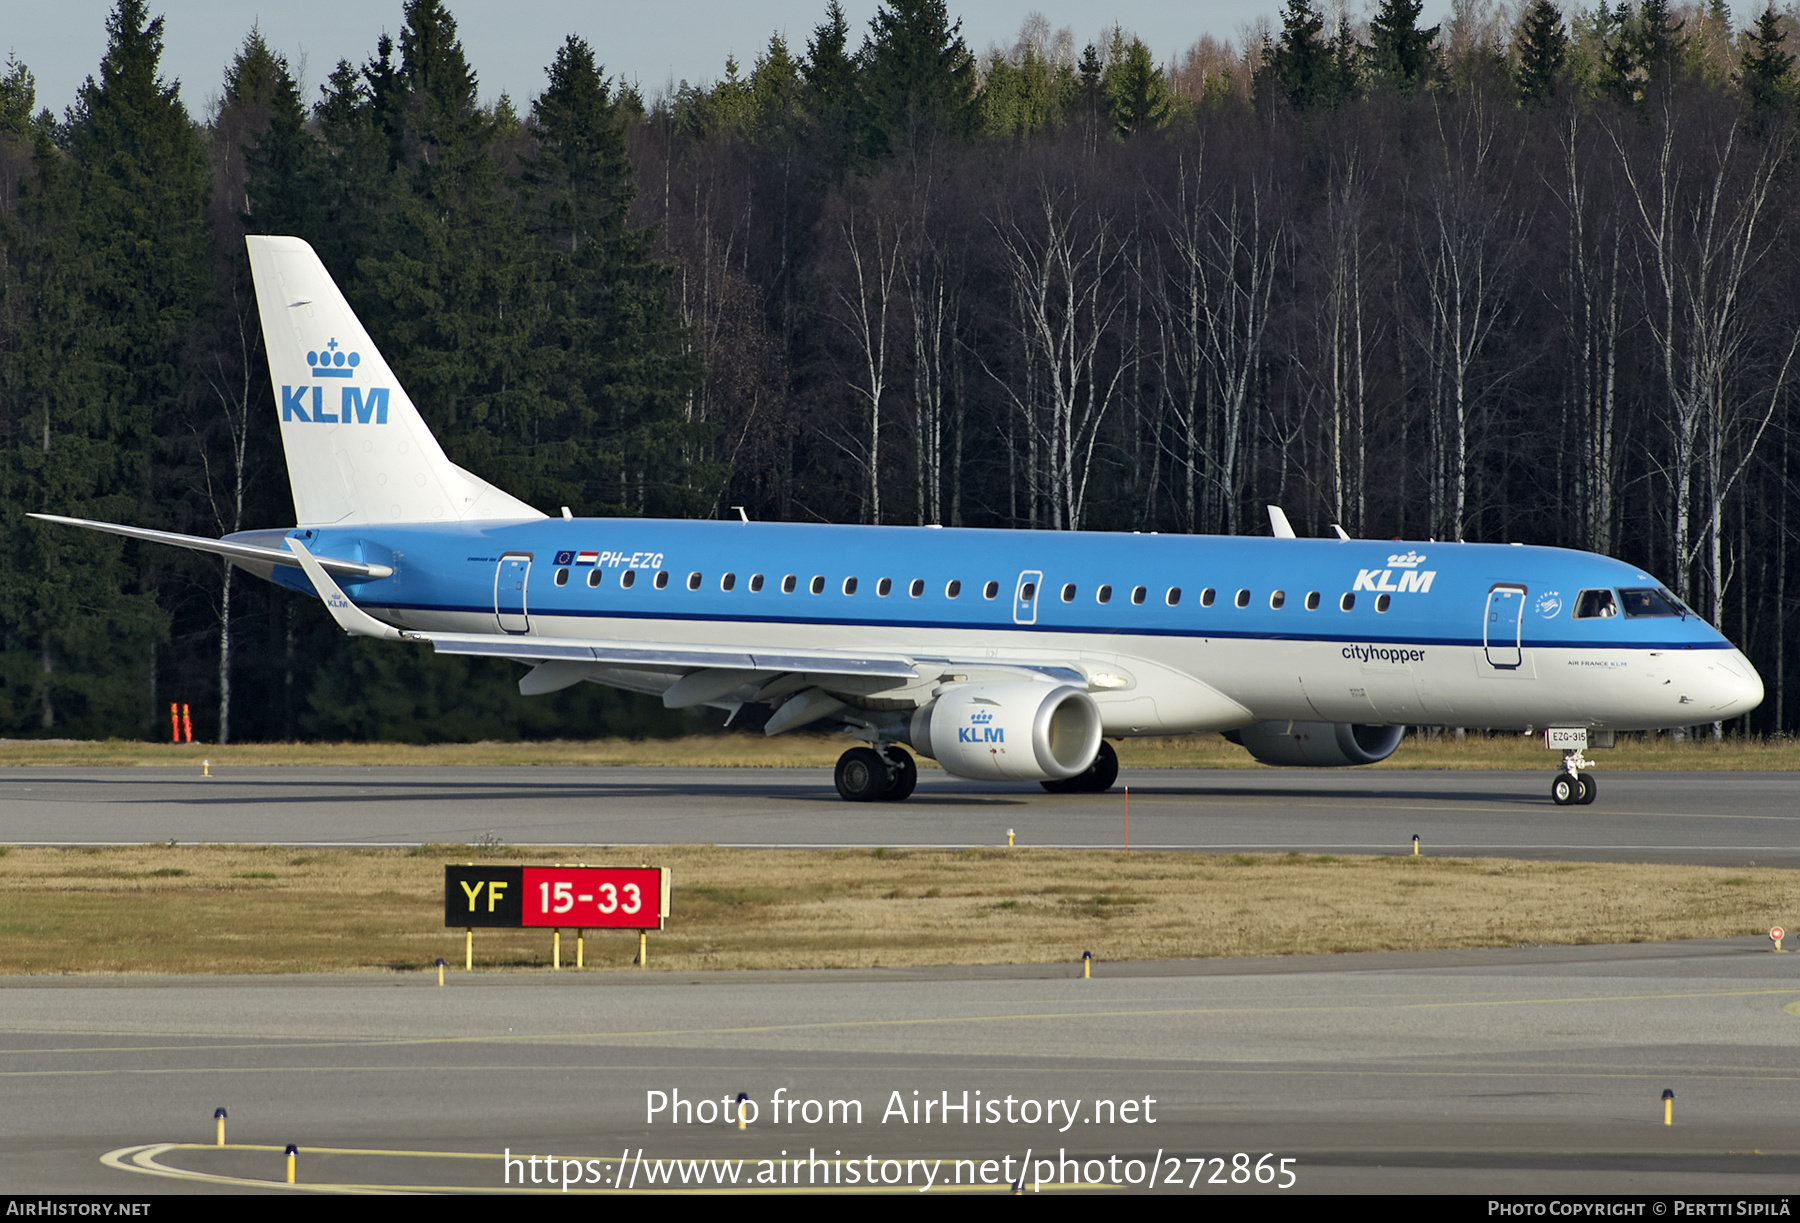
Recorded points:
(1004, 655)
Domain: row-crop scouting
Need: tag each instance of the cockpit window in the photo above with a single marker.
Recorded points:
(1595, 604)
(1650, 601)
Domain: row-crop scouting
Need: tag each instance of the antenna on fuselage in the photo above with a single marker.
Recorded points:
(1279, 526)
(743, 515)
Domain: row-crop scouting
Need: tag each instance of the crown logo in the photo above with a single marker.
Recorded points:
(980, 719)
(330, 363)
(1407, 560)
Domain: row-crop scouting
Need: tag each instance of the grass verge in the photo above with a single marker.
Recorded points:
(252, 909)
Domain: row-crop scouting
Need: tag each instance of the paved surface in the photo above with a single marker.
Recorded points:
(1716, 818)
(1536, 1070)
(1522, 1071)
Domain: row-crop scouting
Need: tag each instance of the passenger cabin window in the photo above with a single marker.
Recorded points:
(1276, 599)
(990, 590)
(562, 577)
(1103, 595)
(1243, 598)
(883, 587)
(756, 581)
(1068, 593)
(849, 586)
(917, 588)
(788, 583)
(1595, 605)
(1347, 602)
(727, 581)
(1028, 592)
(952, 588)
(627, 578)
(1173, 598)
(1383, 602)
(693, 581)
(594, 576)
(817, 585)
(662, 579)
(1312, 600)
(1207, 596)
(1137, 596)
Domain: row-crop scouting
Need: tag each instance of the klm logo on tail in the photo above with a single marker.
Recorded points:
(353, 406)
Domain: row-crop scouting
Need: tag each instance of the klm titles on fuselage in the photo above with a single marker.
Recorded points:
(353, 406)
(1412, 578)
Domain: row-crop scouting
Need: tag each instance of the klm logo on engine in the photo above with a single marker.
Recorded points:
(981, 732)
(1412, 578)
(354, 405)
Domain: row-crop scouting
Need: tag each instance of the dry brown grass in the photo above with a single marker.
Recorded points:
(234, 909)
(1475, 751)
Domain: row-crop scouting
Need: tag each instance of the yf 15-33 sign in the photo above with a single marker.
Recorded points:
(568, 897)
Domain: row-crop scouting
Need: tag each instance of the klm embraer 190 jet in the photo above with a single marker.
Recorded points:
(1003, 655)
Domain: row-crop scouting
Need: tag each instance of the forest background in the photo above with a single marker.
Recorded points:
(1521, 277)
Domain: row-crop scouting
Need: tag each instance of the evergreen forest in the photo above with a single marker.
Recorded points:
(1525, 276)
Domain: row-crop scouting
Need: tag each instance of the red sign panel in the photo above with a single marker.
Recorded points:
(594, 897)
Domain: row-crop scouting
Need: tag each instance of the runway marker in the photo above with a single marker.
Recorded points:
(1668, 1106)
(1087, 963)
(219, 1116)
(292, 1151)
(1415, 844)
(1775, 934)
(440, 967)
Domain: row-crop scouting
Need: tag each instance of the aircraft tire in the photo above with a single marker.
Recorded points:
(1590, 789)
(905, 777)
(1565, 791)
(1097, 778)
(861, 775)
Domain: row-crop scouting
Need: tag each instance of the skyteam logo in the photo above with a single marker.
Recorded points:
(1412, 578)
(980, 730)
(353, 407)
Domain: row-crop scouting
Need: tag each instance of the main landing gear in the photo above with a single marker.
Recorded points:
(1574, 786)
(865, 775)
(1096, 779)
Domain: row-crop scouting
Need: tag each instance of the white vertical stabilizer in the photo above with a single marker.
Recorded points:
(357, 449)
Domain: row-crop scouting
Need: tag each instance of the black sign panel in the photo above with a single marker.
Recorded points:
(484, 896)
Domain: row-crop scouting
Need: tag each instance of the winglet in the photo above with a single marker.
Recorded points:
(1278, 523)
(351, 618)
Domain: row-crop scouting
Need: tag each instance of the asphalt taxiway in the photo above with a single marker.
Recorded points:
(1504, 1071)
(1521, 1070)
(1694, 817)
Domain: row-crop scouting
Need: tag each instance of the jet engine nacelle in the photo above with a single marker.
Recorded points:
(1009, 732)
(1317, 744)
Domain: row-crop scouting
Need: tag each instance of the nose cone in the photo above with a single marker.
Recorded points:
(1733, 688)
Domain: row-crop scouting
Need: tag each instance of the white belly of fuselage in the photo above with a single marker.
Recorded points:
(1179, 684)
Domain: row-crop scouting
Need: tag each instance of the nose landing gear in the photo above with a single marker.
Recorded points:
(1574, 786)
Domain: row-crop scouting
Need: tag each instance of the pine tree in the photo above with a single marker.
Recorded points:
(1400, 54)
(1300, 65)
(1543, 47)
(1137, 95)
(113, 249)
(1766, 71)
(623, 376)
(917, 75)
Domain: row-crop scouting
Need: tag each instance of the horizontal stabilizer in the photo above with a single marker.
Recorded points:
(225, 548)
